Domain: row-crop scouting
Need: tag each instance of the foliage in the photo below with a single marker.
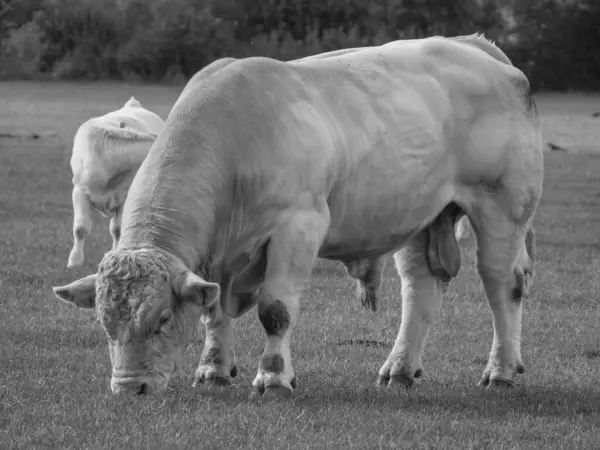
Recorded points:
(557, 46)
(553, 41)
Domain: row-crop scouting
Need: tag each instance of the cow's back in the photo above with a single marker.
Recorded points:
(339, 109)
(360, 129)
(112, 145)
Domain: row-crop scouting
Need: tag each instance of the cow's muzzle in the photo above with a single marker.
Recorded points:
(135, 385)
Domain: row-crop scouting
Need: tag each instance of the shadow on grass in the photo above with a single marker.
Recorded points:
(591, 246)
(567, 402)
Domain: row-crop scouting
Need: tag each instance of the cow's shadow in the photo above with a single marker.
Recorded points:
(484, 403)
(537, 401)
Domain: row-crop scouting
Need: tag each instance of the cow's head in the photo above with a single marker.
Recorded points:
(149, 305)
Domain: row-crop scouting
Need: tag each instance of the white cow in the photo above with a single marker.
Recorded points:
(264, 165)
(107, 152)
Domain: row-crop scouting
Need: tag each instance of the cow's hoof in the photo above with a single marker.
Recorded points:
(485, 379)
(401, 378)
(489, 381)
(273, 390)
(212, 377)
(395, 381)
(500, 379)
(211, 380)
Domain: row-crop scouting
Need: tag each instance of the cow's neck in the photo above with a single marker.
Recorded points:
(169, 233)
(177, 213)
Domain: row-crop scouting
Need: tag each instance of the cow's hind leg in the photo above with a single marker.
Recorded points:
(426, 264)
(422, 294)
(367, 273)
(291, 254)
(83, 216)
(217, 361)
(505, 259)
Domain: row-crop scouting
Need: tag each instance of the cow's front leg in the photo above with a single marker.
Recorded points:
(422, 294)
(83, 220)
(217, 361)
(115, 227)
(290, 258)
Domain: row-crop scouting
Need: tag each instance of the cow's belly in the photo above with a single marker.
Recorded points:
(381, 206)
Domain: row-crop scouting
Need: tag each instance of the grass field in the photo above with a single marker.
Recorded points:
(54, 365)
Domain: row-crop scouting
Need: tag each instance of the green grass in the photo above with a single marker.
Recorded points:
(54, 366)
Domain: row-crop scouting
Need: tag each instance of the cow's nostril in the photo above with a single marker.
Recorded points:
(143, 389)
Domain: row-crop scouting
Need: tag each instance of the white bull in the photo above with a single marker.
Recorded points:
(107, 152)
(264, 165)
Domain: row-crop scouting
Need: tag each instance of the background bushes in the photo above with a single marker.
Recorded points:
(553, 41)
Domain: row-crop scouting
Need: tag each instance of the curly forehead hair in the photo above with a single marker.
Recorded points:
(129, 265)
(119, 272)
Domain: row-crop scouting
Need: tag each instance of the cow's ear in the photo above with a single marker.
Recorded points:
(81, 293)
(133, 102)
(190, 286)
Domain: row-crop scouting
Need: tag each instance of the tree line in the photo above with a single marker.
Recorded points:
(552, 41)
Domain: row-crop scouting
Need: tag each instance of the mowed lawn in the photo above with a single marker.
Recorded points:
(55, 370)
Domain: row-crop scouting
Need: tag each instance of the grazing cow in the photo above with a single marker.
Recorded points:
(264, 165)
(107, 152)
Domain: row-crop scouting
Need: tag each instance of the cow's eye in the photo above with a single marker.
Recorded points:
(165, 319)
